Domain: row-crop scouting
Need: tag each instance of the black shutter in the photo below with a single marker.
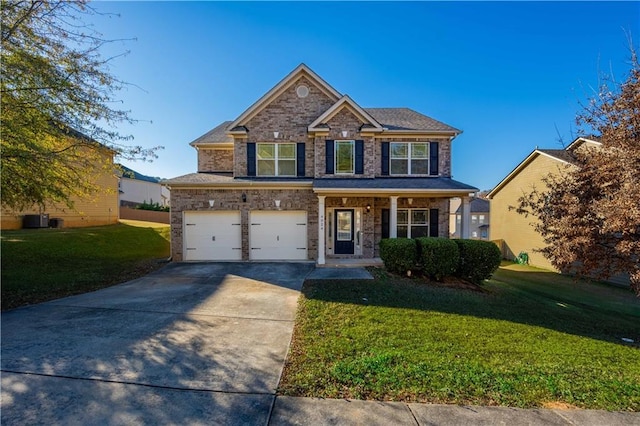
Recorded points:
(433, 222)
(385, 223)
(251, 159)
(359, 158)
(434, 147)
(384, 171)
(329, 157)
(300, 159)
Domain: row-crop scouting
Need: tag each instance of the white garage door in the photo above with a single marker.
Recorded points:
(278, 235)
(212, 235)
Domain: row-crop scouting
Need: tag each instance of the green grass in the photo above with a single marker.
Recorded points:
(45, 264)
(532, 339)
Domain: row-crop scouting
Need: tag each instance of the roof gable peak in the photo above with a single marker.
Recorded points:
(345, 102)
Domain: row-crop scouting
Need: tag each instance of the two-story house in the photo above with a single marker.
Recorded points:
(305, 173)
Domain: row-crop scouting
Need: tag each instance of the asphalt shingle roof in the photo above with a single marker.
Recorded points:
(436, 183)
(477, 205)
(560, 154)
(407, 119)
(215, 135)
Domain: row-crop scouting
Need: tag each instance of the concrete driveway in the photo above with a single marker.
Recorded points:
(189, 344)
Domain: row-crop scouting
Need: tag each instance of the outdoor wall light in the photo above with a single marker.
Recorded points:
(275, 135)
(368, 208)
(211, 203)
(277, 203)
(345, 133)
(244, 197)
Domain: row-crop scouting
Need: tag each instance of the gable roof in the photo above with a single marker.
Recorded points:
(560, 155)
(132, 174)
(477, 205)
(285, 83)
(345, 102)
(217, 135)
(583, 140)
(406, 119)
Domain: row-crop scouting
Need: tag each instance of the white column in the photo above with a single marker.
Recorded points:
(393, 217)
(321, 231)
(465, 211)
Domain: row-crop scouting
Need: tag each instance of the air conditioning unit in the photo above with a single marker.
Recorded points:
(35, 221)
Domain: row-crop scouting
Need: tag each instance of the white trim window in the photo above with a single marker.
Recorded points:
(276, 159)
(413, 223)
(345, 157)
(409, 158)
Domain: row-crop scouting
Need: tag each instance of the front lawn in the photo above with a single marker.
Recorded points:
(45, 264)
(532, 339)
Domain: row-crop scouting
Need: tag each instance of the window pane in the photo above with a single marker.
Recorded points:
(286, 150)
(474, 219)
(399, 167)
(419, 150)
(402, 231)
(266, 167)
(286, 167)
(266, 151)
(419, 231)
(403, 216)
(344, 226)
(399, 150)
(419, 217)
(344, 156)
(419, 167)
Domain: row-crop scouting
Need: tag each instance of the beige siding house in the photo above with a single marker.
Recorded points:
(515, 230)
(305, 173)
(101, 208)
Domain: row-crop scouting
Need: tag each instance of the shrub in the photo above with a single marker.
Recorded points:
(398, 254)
(438, 256)
(478, 259)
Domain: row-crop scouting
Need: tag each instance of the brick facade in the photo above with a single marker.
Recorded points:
(215, 160)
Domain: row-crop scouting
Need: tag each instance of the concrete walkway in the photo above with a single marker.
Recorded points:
(194, 344)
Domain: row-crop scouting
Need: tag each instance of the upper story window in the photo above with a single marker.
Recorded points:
(276, 159)
(409, 158)
(345, 157)
(481, 219)
(413, 223)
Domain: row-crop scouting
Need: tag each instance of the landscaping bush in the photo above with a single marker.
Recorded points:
(398, 254)
(478, 259)
(439, 257)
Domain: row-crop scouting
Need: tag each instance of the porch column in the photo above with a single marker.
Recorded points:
(465, 223)
(321, 232)
(393, 217)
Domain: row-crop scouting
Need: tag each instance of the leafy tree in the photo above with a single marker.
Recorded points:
(589, 215)
(57, 99)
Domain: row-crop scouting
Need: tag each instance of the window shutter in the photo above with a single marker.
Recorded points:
(433, 222)
(385, 223)
(300, 158)
(434, 148)
(251, 159)
(329, 157)
(359, 170)
(384, 171)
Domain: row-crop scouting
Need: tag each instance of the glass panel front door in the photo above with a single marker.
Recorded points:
(344, 232)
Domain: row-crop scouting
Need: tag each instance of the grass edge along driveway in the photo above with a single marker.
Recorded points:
(532, 339)
(46, 264)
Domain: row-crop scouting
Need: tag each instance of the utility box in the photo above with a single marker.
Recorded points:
(35, 220)
(56, 222)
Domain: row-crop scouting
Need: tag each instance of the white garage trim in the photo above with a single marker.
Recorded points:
(278, 235)
(215, 235)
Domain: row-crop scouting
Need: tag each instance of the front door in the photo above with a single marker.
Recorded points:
(344, 232)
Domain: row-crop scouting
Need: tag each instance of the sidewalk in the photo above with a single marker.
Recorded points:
(317, 412)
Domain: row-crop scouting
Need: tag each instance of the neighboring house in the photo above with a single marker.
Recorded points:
(136, 188)
(100, 208)
(515, 230)
(479, 229)
(307, 174)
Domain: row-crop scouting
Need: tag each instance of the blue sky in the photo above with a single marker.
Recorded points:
(511, 75)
